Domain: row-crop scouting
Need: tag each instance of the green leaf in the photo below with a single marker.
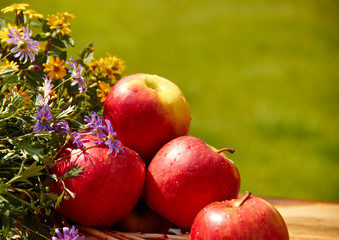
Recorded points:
(33, 78)
(2, 23)
(74, 172)
(66, 112)
(57, 52)
(7, 72)
(45, 27)
(20, 18)
(59, 43)
(35, 24)
(86, 54)
(23, 175)
(27, 149)
(59, 199)
(68, 40)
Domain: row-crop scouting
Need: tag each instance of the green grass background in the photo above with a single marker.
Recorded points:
(261, 77)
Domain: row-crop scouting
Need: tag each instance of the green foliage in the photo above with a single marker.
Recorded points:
(27, 206)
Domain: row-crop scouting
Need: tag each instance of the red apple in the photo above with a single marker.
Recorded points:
(143, 219)
(245, 218)
(147, 111)
(186, 175)
(107, 189)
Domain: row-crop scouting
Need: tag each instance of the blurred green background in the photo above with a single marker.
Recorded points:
(261, 77)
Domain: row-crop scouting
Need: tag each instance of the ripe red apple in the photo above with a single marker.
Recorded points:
(245, 218)
(143, 219)
(186, 175)
(107, 189)
(147, 111)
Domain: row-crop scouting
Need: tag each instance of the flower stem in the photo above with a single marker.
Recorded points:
(31, 230)
(68, 79)
(5, 57)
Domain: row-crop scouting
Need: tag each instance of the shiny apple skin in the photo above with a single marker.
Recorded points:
(186, 175)
(147, 111)
(256, 219)
(107, 189)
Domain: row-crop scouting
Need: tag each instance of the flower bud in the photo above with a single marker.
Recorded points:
(34, 68)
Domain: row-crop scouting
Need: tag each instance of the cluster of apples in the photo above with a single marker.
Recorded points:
(163, 177)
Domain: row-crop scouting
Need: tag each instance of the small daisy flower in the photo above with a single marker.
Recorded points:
(60, 127)
(111, 142)
(103, 90)
(30, 13)
(55, 68)
(4, 32)
(111, 66)
(25, 46)
(60, 23)
(15, 7)
(63, 127)
(44, 116)
(68, 234)
(9, 64)
(20, 93)
(96, 124)
(76, 75)
(46, 89)
(91, 120)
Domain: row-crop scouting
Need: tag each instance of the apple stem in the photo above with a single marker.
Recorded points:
(226, 149)
(243, 199)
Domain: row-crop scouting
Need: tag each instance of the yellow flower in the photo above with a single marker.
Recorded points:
(33, 14)
(66, 15)
(111, 66)
(103, 90)
(55, 68)
(41, 46)
(9, 64)
(59, 21)
(21, 93)
(17, 7)
(4, 32)
(93, 67)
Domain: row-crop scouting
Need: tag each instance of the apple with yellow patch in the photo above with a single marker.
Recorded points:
(146, 112)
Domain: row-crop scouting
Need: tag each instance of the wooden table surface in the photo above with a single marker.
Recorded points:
(309, 220)
(306, 220)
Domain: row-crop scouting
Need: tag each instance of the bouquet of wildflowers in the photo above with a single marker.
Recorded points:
(48, 99)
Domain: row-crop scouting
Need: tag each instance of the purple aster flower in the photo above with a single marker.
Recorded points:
(91, 120)
(75, 72)
(46, 88)
(68, 234)
(63, 127)
(96, 124)
(25, 46)
(110, 141)
(77, 139)
(44, 116)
